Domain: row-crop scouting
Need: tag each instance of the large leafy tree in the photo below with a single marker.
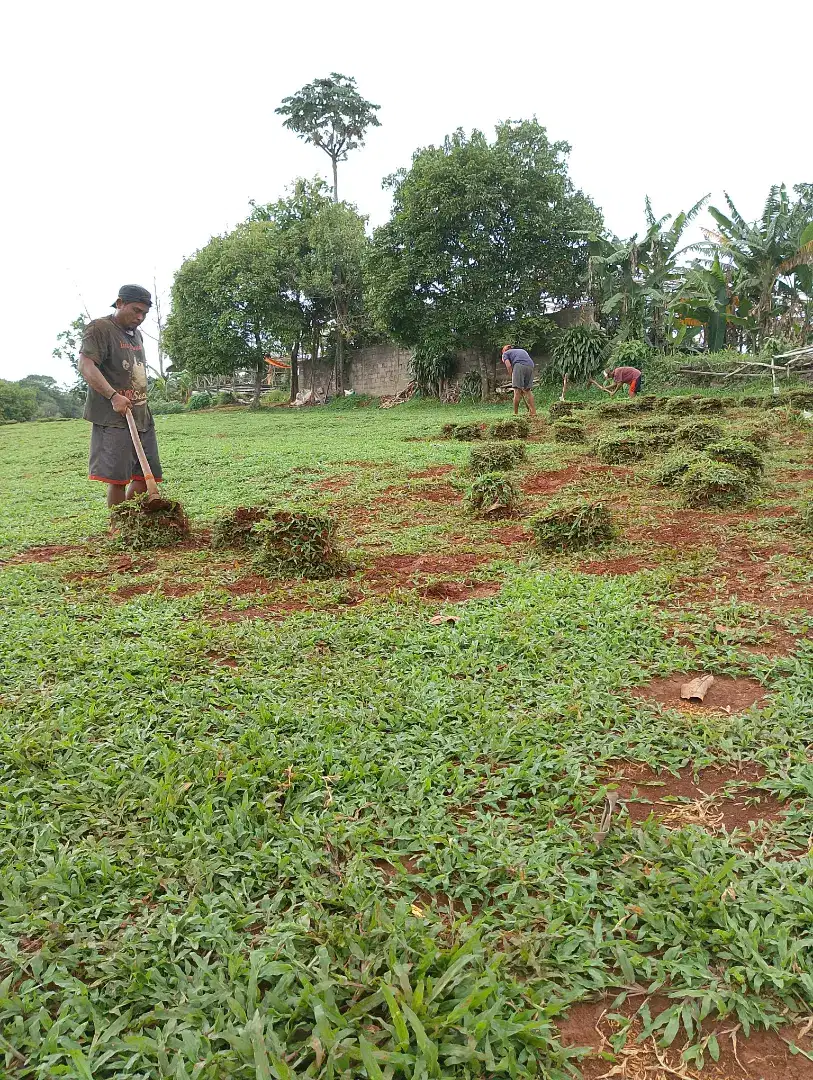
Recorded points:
(484, 237)
(331, 114)
(232, 304)
(324, 245)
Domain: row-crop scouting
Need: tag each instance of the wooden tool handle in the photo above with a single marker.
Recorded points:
(149, 479)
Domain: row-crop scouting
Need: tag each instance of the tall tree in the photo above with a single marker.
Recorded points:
(331, 114)
(69, 341)
(231, 304)
(483, 236)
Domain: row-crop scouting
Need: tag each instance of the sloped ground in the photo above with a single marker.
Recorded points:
(256, 827)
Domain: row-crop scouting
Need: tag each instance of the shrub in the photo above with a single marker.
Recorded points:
(560, 409)
(714, 483)
(674, 466)
(630, 354)
(699, 433)
(493, 495)
(471, 388)
(568, 431)
(579, 351)
(138, 529)
(737, 452)
(572, 526)
(297, 542)
(622, 446)
(495, 457)
(225, 397)
(165, 408)
(16, 402)
(200, 401)
(512, 427)
(235, 529)
(467, 432)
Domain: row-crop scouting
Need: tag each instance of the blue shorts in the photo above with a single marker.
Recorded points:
(522, 376)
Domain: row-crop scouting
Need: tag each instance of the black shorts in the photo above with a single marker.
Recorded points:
(113, 459)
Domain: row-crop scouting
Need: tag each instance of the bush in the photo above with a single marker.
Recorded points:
(561, 409)
(512, 427)
(630, 354)
(579, 351)
(235, 529)
(714, 483)
(465, 432)
(622, 447)
(138, 529)
(493, 495)
(471, 389)
(225, 397)
(674, 466)
(737, 452)
(166, 408)
(568, 431)
(200, 401)
(296, 542)
(495, 457)
(16, 402)
(699, 434)
(572, 526)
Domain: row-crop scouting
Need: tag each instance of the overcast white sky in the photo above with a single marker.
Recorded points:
(132, 133)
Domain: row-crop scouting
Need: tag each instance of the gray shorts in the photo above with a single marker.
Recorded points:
(113, 458)
(522, 376)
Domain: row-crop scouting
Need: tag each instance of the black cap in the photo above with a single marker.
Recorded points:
(134, 294)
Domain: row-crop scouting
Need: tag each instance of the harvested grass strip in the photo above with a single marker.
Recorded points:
(138, 529)
(569, 431)
(234, 530)
(294, 542)
(713, 483)
(493, 495)
(512, 427)
(573, 526)
(495, 457)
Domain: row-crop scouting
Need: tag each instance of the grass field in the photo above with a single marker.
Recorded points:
(266, 828)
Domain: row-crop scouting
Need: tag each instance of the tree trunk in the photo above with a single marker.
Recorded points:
(259, 375)
(294, 370)
(335, 180)
(487, 373)
(317, 337)
(339, 363)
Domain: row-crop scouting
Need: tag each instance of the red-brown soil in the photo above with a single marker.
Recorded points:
(271, 611)
(46, 553)
(333, 483)
(793, 475)
(436, 493)
(127, 591)
(406, 571)
(460, 591)
(432, 471)
(251, 584)
(181, 589)
(513, 534)
(762, 1055)
(727, 693)
(222, 661)
(686, 800)
(547, 483)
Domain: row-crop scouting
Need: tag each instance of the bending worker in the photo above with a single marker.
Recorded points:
(521, 368)
(621, 376)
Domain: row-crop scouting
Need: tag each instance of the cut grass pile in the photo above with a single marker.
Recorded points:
(573, 526)
(296, 542)
(138, 529)
(495, 457)
(493, 495)
(264, 827)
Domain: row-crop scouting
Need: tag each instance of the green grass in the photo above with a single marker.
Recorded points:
(343, 841)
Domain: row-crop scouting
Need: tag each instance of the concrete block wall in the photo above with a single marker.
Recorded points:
(379, 370)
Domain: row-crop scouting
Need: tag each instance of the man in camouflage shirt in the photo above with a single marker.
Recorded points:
(112, 364)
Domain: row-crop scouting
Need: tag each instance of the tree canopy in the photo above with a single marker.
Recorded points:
(331, 114)
(483, 238)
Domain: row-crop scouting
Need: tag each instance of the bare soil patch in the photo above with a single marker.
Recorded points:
(128, 591)
(221, 660)
(431, 472)
(247, 585)
(406, 571)
(46, 553)
(181, 589)
(680, 800)
(332, 483)
(793, 475)
(762, 1055)
(727, 693)
(460, 591)
(549, 482)
(513, 534)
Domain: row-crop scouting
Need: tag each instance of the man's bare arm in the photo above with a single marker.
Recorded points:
(96, 381)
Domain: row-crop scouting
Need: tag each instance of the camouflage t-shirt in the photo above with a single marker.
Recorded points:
(119, 355)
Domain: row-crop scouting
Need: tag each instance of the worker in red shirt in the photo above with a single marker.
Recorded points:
(621, 376)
